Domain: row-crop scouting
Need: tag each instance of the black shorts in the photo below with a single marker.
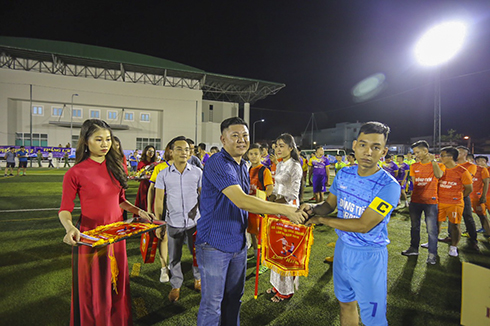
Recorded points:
(11, 165)
(23, 164)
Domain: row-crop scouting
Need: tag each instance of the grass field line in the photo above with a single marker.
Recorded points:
(31, 210)
(31, 219)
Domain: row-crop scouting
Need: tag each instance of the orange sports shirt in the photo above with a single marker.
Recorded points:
(470, 167)
(254, 179)
(488, 193)
(451, 185)
(481, 173)
(424, 183)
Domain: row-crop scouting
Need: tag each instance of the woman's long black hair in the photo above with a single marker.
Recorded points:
(144, 158)
(113, 157)
(288, 139)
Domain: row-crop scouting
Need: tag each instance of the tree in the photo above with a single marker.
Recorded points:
(452, 137)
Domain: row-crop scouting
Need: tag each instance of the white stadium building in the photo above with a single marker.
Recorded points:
(146, 100)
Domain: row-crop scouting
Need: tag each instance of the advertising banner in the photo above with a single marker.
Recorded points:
(58, 152)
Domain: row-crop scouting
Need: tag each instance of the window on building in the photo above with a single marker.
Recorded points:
(37, 110)
(128, 116)
(77, 113)
(145, 117)
(210, 113)
(24, 139)
(111, 115)
(57, 112)
(94, 114)
(143, 142)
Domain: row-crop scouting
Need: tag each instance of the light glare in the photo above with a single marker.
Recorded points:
(368, 87)
(440, 43)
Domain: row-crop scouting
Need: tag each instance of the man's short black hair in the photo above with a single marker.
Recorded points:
(317, 147)
(22, 147)
(463, 147)
(189, 141)
(12, 148)
(353, 155)
(401, 155)
(202, 146)
(172, 142)
(451, 151)
(232, 121)
(420, 143)
(264, 145)
(482, 157)
(470, 155)
(388, 156)
(255, 146)
(374, 127)
(215, 148)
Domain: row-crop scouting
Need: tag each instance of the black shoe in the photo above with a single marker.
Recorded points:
(474, 246)
(410, 252)
(445, 240)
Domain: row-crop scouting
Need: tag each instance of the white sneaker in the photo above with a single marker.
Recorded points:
(453, 251)
(425, 245)
(164, 275)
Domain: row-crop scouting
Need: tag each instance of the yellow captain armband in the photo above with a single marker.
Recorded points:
(380, 206)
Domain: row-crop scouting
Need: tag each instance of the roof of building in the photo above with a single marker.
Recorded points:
(92, 52)
(119, 63)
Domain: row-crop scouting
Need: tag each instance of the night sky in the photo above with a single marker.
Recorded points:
(319, 49)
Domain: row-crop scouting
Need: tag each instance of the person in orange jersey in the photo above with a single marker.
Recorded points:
(455, 184)
(425, 174)
(467, 213)
(479, 195)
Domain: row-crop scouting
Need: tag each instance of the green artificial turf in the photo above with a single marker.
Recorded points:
(36, 273)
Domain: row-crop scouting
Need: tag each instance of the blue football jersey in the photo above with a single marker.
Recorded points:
(379, 191)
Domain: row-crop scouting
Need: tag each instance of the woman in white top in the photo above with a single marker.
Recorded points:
(287, 189)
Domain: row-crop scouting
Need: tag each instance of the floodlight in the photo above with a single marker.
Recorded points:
(440, 43)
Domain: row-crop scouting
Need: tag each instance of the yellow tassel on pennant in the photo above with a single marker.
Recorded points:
(114, 269)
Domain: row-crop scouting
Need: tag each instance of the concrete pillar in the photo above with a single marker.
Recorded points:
(246, 113)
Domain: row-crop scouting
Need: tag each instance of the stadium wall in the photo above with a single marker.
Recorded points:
(172, 111)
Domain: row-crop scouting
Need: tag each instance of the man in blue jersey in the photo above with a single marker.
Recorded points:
(23, 156)
(221, 249)
(365, 196)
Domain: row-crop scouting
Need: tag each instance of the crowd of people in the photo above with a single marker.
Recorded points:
(22, 157)
(209, 202)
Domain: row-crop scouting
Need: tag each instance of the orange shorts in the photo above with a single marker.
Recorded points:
(453, 212)
(478, 208)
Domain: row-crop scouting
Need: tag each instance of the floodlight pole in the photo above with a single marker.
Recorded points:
(30, 126)
(434, 48)
(71, 119)
(253, 129)
(437, 110)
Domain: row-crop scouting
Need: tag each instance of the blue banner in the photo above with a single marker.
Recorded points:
(58, 152)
